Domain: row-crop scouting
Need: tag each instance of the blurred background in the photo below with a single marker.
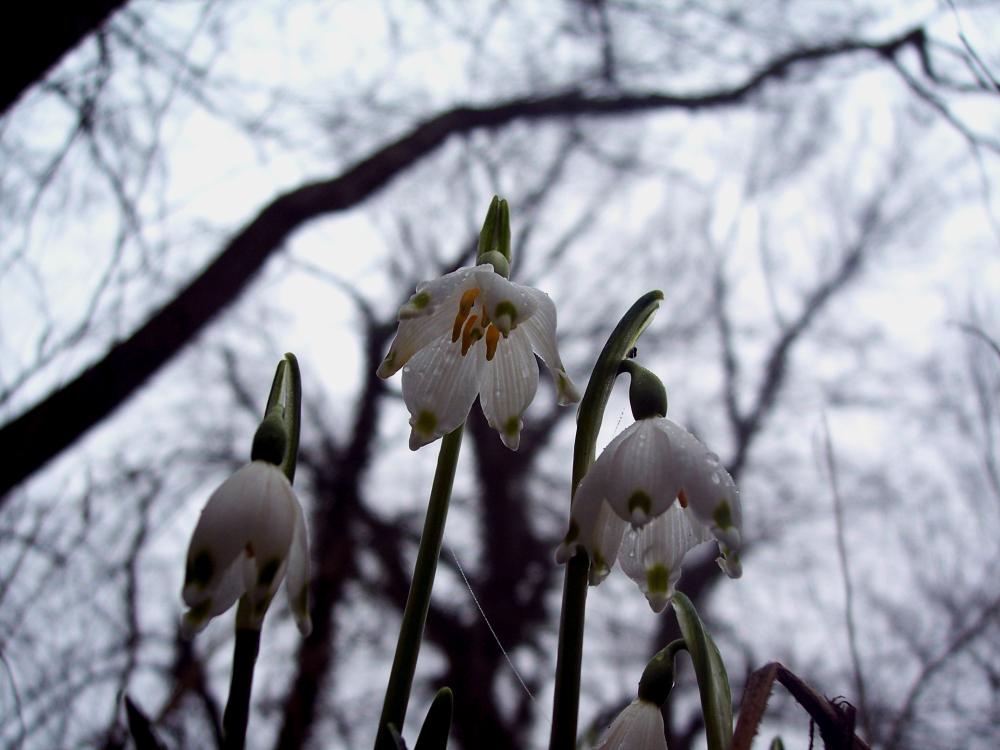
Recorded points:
(190, 189)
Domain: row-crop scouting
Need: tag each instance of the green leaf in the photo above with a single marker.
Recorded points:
(713, 682)
(434, 733)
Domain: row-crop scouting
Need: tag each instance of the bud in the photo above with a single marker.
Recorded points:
(646, 393)
(494, 238)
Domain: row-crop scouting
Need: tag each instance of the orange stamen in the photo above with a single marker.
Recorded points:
(464, 308)
(468, 299)
(492, 339)
(682, 499)
(456, 330)
(470, 334)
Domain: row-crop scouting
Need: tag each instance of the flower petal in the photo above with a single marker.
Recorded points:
(510, 382)
(437, 294)
(642, 482)
(274, 527)
(652, 555)
(439, 386)
(428, 315)
(223, 531)
(231, 587)
(297, 580)
(584, 513)
(541, 331)
(507, 304)
(638, 727)
(603, 543)
(710, 491)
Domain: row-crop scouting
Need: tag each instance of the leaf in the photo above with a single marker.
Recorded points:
(434, 733)
(710, 671)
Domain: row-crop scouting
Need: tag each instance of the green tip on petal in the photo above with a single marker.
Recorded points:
(415, 306)
(565, 390)
(639, 505)
(199, 570)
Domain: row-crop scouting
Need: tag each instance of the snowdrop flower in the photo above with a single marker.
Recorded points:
(659, 492)
(638, 727)
(251, 535)
(472, 332)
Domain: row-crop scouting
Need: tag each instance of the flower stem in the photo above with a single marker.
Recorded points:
(569, 654)
(234, 720)
(284, 401)
(397, 692)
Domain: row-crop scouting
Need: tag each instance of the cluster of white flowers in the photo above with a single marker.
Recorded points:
(655, 492)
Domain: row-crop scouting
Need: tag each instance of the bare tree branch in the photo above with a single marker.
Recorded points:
(32, 439)
(35, 36)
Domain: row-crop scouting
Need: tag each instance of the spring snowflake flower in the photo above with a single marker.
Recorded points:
(638, 727)
(659, 492)
(472, 332)
(250, 536)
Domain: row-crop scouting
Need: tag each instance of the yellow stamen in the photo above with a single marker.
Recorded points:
(470, 334)
(492, 339)
(682, 499)
(464, 308)
(468, 299)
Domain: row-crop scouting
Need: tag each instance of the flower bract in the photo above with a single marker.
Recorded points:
(251, 535)
(474, 333)
(653, 494)
(638, 727)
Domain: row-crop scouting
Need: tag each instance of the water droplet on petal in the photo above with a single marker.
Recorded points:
(715, 477)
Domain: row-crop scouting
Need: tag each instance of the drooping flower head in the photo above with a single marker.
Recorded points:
(472, 332)
(638, 727)
(657, 492)
(250, 536)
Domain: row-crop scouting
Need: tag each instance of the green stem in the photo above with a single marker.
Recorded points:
(234, 720)
(569, 654)
(411, 630)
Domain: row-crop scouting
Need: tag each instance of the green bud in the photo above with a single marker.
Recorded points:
(658, 676)
(270, 440)
(499, 262)
(646, 392)
(495, 234)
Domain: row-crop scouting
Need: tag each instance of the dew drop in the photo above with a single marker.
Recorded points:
(715, 477)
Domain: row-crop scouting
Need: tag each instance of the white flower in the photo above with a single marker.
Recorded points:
(251, 535)
(638, 727)
(473, 332)
(630, 493)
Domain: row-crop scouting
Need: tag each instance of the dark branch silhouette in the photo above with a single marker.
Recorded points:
(35, 36)
(35, 437)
